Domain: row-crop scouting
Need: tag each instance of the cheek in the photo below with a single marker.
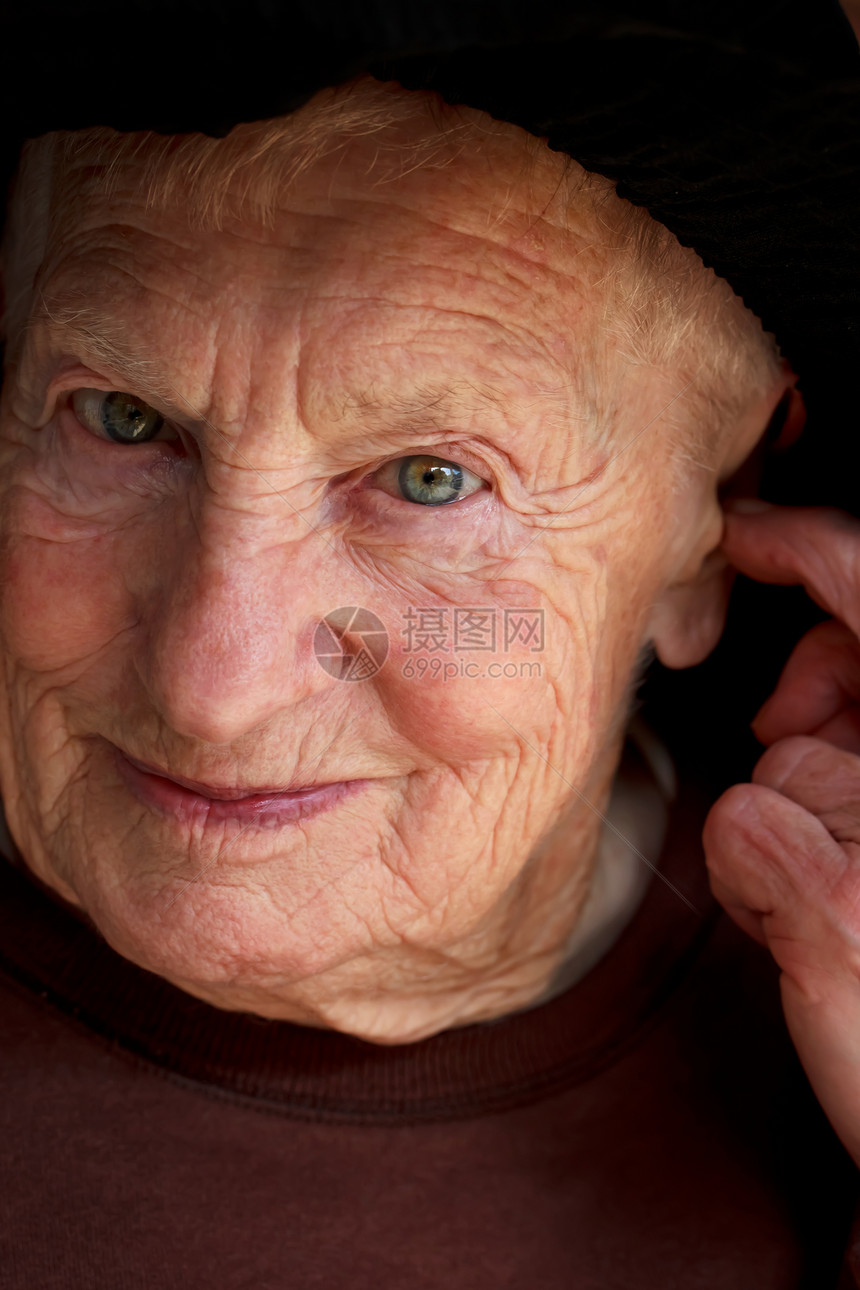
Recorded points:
(467, 685)
(59, 604)
(74, 521)
(61, 600)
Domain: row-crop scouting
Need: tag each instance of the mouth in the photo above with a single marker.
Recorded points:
(193, 801)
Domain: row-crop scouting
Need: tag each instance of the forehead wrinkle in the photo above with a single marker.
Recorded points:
(445, 359)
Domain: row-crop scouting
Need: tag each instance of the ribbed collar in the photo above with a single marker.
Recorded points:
(318, 1074)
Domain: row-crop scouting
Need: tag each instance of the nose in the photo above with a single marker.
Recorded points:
(228, 633)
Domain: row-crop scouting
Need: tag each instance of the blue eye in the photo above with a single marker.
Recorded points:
(120, 417)
(427, 480)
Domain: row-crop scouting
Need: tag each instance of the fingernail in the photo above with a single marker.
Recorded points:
(746, 505)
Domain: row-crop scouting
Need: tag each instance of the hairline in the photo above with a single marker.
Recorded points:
(646, 323)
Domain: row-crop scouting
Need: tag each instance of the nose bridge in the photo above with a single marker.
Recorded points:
(228, 639)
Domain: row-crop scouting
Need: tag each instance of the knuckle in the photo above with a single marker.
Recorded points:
(726, 820)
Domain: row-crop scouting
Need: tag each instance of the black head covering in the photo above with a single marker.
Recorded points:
(736, 123)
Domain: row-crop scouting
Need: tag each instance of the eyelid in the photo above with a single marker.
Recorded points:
(74, 375)
(453, 452)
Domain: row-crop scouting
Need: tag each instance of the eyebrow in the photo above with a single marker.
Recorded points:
(444, 406)
(103, 342)
(429, 403)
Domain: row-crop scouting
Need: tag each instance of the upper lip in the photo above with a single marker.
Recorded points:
(219, 792)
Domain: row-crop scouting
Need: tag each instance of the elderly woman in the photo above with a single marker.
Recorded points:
(354, 466)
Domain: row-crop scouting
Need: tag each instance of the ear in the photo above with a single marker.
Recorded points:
(688, 619)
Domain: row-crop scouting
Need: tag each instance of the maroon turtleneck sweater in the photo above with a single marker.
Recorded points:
(651, 1127)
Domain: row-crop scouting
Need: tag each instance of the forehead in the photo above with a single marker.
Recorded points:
(412, 267)
(402, 156)
(485, 180)
(475, 200)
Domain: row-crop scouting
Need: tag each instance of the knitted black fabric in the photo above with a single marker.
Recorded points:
(736, 123)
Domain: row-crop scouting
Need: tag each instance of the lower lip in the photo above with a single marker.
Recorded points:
(266, 810)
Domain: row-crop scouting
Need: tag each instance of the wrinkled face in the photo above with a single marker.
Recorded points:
(386, 401)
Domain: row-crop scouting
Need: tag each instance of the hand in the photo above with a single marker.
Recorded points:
(784, 851)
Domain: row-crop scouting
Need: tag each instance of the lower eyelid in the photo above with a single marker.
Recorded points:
(111, 446)
(387, 510)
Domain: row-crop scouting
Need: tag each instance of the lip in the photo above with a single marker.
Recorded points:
(190, 800)
(214, 791)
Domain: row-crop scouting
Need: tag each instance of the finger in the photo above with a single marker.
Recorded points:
(776, 863)
(823, 780)
(818, 690)
(748, 920)
(770, 857)
(842, 731)
(817, 547)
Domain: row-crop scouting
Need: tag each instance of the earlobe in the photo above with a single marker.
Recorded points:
(688, 619)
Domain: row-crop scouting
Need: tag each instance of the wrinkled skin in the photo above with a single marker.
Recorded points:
(784, 851)
(161, 598)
